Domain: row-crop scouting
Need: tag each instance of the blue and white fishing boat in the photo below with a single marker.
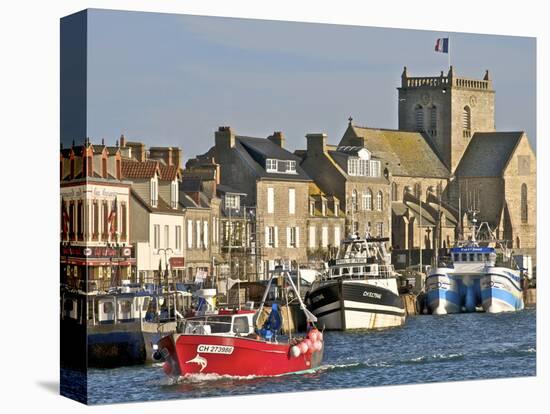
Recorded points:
(477, 278)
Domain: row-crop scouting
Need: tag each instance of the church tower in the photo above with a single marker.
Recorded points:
(449, 109)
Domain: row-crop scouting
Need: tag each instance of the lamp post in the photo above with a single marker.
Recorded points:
(168, 249)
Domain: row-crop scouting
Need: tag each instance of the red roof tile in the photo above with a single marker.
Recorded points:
(168, 172)
(136, 169)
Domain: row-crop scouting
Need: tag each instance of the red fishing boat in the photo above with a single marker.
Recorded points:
(230, 343)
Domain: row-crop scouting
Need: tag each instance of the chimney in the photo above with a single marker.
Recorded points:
(277, 138)
(487, 76)
(225, 141)
(316, 143)
(122, 141)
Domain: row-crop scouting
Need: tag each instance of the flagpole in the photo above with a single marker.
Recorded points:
(449, 52)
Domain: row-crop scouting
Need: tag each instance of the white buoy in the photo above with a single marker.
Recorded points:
(295, 351)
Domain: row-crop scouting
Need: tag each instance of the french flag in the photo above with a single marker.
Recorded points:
(442, 45)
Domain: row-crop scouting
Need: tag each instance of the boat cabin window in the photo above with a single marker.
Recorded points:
(464, 257)
(356, 270)
(366, 269)
(219, 324)
(145, 305)
(108, 307)
(345, 271)
(240, 325)
(125, 306)
(336, 271)
(456, 257)
(472, 257)
(479, 257)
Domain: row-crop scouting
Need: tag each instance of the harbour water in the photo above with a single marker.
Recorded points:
(426, 349)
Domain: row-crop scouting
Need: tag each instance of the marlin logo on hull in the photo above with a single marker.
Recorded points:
(198, 360)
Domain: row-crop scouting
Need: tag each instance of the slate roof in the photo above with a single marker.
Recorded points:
(487, 154)
(409, 154)
(260, 149)
(224, 189)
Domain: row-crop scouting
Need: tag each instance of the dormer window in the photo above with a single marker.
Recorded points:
(280, 166)
(312, 208)
(363, 167)
(174, 194)
(336, 208)
(232, 201)
(154, 192)
(323, 207)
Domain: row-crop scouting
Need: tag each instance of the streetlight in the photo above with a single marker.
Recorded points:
(168, 249)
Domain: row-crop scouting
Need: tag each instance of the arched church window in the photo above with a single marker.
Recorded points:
(419, 117)
(524, 206)
(367, 200)
(418, 190)
(433, 121)
(354, 200)
(379, 201)
(466, 122)
(394, 191)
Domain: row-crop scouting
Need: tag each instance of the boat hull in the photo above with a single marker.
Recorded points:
(501, 291)
(234, 356)
(355, 304)
(442, 294)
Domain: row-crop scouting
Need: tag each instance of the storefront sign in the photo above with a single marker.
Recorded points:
(177, 262)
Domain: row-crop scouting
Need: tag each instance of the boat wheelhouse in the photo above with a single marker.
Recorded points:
(359, 291)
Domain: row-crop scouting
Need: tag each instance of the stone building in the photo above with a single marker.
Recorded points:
(274, 185)
(96, 251)
(325, 225)
(447, 149)
(504, 189)
(354, 179)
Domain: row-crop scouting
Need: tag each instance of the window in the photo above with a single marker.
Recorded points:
(380, 229)
(205, 234)
(189, 234)
(336, 208)
(199, 238)
(95, 218)
(71, 219)
(354, 206)
(419, 117)
(123, 220)
(367, 200)
(323, 207)
(337, 236)
(271, 165)
(379, 201)
(324, 236)
(104, 167)
(418, 190)
(280, 166)
(178, 237)
(363, 168)
(154, 192)
(270, 235)
(156, 236)
(433, 121)
(524, 206)
(394, 191)
(291, 201)
(291, 166)
(311, 208)
(80, 220)
(105, 232)
(232, 201)
(270, 199)
(166, 236)
(291, 234)
(466, 122)
(174, 194)
(312, 234)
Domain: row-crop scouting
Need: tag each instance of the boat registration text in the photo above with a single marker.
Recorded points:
(215, 349)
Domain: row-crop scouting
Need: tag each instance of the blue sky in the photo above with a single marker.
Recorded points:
(173, 79)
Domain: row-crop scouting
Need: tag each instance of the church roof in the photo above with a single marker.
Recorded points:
(408, 154)
(496, 147)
